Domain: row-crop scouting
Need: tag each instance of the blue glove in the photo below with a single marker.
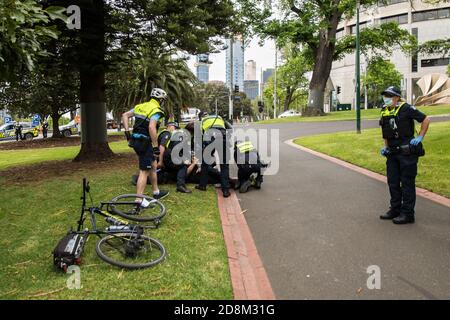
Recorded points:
(416, 140)
(384, 152)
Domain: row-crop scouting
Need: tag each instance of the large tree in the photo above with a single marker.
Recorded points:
(206, 95)
(49, 90)
(314, 25)
(151, 68)
(380, 75)
(110, 33)
(292, 75)
(24, 28)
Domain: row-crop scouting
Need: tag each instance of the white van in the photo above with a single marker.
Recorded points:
(190, 115)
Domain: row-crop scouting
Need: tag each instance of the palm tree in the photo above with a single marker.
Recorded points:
(151, 68)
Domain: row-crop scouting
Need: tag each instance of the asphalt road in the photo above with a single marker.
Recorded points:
(316, 227)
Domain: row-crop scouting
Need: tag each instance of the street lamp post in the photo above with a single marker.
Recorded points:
(275, 84)
(230, 108)
(358, 80)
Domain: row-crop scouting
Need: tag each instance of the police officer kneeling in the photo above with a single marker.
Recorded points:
(168, 140)
(402, 151)
(249, 166)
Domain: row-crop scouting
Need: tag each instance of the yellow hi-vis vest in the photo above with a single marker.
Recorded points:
(394, 112)
(176, 137)
(392, 126)
(148, 109)
(212, 122)
(245, 146)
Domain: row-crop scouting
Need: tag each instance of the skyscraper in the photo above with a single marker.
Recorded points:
(238, 63)
(202, 66)
(250, 70)
(267, 74)
(251, 88)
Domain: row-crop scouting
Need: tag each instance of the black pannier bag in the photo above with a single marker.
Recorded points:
(68, 250)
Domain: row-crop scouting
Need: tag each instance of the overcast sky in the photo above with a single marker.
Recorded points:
(264, 57)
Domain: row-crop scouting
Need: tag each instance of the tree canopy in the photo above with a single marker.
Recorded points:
(24, 28)
(380, 75)
(313, 24)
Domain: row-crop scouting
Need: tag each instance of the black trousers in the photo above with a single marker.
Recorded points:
(180, 170)
(224, 166)
(401, 176)
(246, 170)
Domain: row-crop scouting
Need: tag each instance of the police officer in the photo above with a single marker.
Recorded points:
(167, 140)
(214, 128)
(249, 164)
(144, 139)
(402, 151)
(18, 131)
(44, 129)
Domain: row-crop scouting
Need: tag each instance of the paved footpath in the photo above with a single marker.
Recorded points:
(316, 228)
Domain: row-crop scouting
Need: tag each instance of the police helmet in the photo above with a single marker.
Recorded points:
(158, 93)
(392, 92)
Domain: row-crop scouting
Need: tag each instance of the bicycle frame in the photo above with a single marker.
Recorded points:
(99, 210)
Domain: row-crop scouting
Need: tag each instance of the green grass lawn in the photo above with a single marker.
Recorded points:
(13, 158)
(351, 115)
(364, 150)
(34, 217)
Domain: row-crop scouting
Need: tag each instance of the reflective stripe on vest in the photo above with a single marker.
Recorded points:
(213, 122)
(174, 134)
(394, 112)
(246, 146)
(148, 109)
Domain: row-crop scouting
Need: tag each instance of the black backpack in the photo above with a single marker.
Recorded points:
(68, 250)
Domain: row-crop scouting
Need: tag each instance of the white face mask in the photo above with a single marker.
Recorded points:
(387, 101)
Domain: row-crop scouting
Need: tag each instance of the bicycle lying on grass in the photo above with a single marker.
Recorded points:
(121, 244)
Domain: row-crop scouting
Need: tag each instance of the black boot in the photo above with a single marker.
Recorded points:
(183, 189)
(389, 215)
(404, 219)
(226, 193)
(245, 186)
(201, 188)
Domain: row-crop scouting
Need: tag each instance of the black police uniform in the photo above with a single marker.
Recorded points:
(248, 162)
(44, 129)
(18, 132)
(402, 158)
(220, 126)
(169, 141)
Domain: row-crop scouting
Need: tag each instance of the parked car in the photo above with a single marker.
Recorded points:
(8, 131)
(111, 124)
(190, 115)
(69, 129)
(289, 113)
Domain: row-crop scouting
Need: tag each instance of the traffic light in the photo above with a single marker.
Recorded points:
(260, 106)
(236, 89)
(338, 89)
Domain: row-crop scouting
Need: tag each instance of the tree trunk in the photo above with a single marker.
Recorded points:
(94, 143)
(55, 119)
(288, 101)
(322, 66)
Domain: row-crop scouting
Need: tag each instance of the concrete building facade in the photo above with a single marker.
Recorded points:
(202, 67)
(425, 21)
(238, 64)
(251, 88)
(250, 70)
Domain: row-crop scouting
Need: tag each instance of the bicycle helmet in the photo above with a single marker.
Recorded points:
(158, 93)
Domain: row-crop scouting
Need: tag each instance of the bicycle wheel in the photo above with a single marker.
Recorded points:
(130, 251)
(127, 207)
